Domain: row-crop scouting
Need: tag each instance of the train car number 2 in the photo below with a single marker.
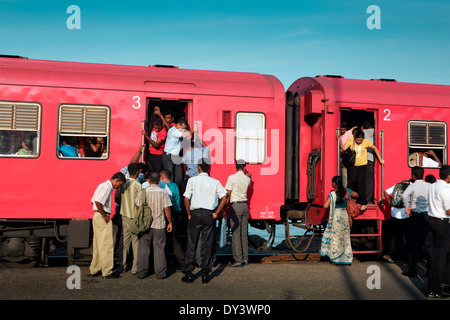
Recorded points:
(387, 113)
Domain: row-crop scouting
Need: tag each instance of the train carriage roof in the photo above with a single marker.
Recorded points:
(377, 92)
(23, 71)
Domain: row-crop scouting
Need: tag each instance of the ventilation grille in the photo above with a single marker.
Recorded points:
(18, 116)
(427, 133)
(84, 120)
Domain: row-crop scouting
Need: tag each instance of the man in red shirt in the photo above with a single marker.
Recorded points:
(156, 141)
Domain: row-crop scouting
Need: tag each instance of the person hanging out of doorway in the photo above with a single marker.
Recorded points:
(357, 173)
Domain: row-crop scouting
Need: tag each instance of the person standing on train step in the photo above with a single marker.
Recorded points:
(199, 199)
(369, 134)
(417, 196)
(439, 221)
(103, 244)
(159, 202)
(156, 140)
(130, 191)
(237, 186)
(171, 158)
(345, 134)
(357, 173)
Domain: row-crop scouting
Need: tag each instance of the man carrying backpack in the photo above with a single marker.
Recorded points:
(417, 210)
(399, 222)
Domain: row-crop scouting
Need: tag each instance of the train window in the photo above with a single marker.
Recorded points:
(20, 128)
(83, 132)
(250, 137)
(427, 143)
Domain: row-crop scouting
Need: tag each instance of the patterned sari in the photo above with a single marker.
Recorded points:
(336, 238)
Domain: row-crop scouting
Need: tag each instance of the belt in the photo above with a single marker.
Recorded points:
(239, 202)
(443, 219)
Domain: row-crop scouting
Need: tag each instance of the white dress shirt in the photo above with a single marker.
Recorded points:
(238, 184)
(439, 199)
(203, 190)
(419, 195)
(103, 194)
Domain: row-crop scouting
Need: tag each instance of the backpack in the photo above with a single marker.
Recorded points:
(143, 219)
(397, 194)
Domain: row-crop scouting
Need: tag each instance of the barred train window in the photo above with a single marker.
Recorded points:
(250, 137)
(83, 132)
(20, 129)
(427, 143)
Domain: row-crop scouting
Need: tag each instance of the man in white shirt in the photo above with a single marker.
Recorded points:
(237, 186)
(103, 243)
(417, 196)
(439, 215)
(399, 227)
(199, 201)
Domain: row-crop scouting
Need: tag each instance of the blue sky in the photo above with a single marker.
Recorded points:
(287, 39)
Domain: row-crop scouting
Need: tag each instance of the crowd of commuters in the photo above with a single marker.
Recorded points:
(184, 204)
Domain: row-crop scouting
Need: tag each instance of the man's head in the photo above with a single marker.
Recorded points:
(444, 173)
(117, 180)
(203, 166)
(168, 116)
(359, 137)
(240, 165)
(133, 169)
(182, 124)
(158, 124)
(165, 175)
(417, 173)
(153, 178)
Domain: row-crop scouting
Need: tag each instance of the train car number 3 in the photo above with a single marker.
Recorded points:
(136, 102)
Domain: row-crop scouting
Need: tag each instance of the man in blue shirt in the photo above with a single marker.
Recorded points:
(177, 243)
(171, 158)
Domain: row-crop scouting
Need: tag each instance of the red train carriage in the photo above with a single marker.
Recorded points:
(45, 104)
(408, 118)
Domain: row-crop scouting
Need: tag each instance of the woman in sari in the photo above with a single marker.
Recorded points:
(336, 237)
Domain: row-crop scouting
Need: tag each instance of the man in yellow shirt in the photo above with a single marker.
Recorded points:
(357, 173)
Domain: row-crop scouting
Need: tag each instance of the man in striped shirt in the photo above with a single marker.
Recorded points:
(159, 202)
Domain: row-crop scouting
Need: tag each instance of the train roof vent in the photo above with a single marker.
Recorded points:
(12, 56)
(330, 76)
(163, 66)
(384, 79)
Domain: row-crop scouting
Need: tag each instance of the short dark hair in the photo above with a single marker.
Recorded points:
(367, 124)
(444, 172)
(359, 134)
(203, 165)
(430, 178)
(154, 177)
(183, 121)
(133, 168)
(417, 172)
(119, 176)
(28, 143)
(166, 173)
(240, 164)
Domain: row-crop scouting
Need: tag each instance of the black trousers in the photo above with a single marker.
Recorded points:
(357, 182)
(173, 164)
(201, 222)
(417, 229)
(440, 261)
(154, 162)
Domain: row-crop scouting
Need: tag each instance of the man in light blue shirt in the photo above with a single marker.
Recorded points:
(417, 195)
(171, 158)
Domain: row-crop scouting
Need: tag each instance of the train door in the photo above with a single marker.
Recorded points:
(366, 230)
(172, 111)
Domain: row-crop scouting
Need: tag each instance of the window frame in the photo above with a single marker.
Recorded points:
(428, 146)
(38, 131)
(263, 138)
(106, 135)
